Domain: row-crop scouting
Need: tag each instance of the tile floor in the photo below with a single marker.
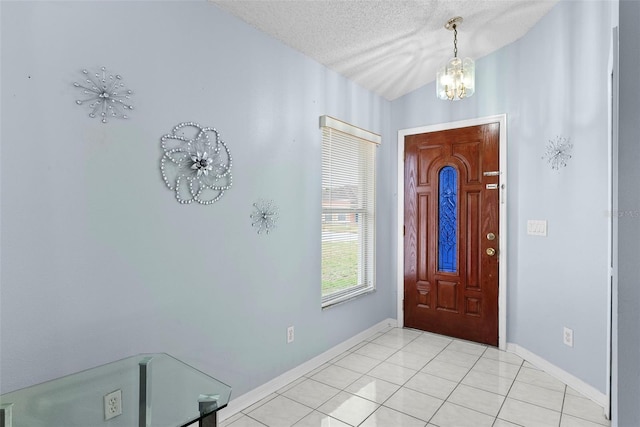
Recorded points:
(403, 377)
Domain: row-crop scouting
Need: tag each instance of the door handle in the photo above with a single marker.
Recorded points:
(491, 251)
(491, 236)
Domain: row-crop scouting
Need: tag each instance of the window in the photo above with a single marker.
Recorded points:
(348, 210)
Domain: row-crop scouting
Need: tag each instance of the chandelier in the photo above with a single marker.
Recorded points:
(457, 78)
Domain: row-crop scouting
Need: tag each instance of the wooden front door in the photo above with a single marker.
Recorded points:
(451, 218)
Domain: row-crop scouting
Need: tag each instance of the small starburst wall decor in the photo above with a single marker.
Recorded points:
(105, 94)
(558, 151)
(265, 215)
(196, 163)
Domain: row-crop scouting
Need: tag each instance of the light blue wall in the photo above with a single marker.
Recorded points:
(627, 351)
(553, 81)
(100, 262)
(98, 259)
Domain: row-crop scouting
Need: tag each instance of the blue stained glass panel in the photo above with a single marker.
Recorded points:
(448, 220)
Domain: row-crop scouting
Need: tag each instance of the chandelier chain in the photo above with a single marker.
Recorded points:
(455, 41)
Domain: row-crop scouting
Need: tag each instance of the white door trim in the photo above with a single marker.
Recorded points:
(502, 288)
(612, 291)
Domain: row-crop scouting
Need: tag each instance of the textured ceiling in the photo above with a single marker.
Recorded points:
(390, 47)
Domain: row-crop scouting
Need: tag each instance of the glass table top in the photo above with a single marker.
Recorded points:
(171, 394)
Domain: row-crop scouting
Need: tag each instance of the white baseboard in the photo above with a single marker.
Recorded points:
(238, 404)
(560, 374)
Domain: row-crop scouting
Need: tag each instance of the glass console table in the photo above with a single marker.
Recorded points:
(155, 390)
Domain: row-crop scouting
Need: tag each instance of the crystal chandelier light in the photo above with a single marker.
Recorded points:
(457, 78)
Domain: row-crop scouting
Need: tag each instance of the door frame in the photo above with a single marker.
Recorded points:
(502, 240)
(612, 290)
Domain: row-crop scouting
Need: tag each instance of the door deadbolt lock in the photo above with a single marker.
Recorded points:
(491, 236)
(491, 251)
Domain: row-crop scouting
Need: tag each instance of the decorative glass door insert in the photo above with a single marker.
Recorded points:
(448, 220)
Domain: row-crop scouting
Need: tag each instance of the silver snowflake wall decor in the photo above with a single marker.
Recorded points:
(265, 215)
(196, 163)
(558, 151)
(105, 94)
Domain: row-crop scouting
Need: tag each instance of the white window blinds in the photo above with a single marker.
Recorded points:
(348, 210)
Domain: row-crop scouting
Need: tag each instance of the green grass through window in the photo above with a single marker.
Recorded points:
(339, 266)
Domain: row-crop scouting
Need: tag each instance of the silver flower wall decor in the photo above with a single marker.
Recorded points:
(558, 151)
(196, 163)
(105, 94)
(265, 215)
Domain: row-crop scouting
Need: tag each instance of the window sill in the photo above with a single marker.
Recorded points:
(347, 296)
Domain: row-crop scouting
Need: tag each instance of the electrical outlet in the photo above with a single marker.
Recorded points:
(112, 404)
(568, 336)
(290, 335)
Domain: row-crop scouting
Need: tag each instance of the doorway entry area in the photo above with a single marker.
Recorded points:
(452, 229)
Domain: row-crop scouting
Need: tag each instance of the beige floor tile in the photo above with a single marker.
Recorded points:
(584, 408)
(488, 382)
(393, 373)
(373, 388)
(445, 370)
(405, 332)
(318, 419)
(311, 393)
(503, 356)
(393, 340)
(571, 421)
(280, 412)
(527, 414)
(260, 403)
(476, 399)
(467, 347)
(573, 392)
(358, 363)
(336, 376)
(414, 403)
(349, 408)
(291, 384)
(386, 417)
(451, 415)
(376, 351)
(496, 367)
(229, 420)
(243, 421)
(318, 369)
(423, 348)
(540, 378)
(540, 396)
(464, 360)
(431, 385)
(409, 360)
(503, 423)
(439, 340)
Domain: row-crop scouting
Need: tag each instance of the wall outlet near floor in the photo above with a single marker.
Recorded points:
(290, 335)
(112, 404)
(567, 336)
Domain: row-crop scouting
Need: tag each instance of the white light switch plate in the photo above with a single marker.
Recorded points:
(536, 227)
